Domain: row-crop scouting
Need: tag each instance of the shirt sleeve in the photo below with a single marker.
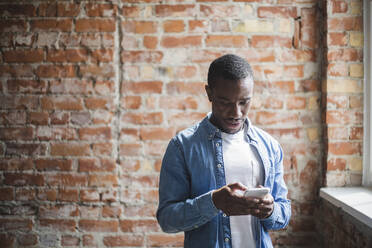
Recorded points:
(177, 211)
(282, 206)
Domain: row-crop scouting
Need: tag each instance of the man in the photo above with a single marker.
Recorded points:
(206, 169)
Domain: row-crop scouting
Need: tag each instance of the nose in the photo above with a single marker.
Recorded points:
(235, 111)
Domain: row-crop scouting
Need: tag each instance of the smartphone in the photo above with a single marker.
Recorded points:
(256, 192)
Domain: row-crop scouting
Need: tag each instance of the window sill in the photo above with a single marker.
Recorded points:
(356, 201)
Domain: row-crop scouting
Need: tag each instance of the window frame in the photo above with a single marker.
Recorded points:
(367, 119)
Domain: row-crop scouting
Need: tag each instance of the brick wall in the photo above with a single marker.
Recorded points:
(91, 92)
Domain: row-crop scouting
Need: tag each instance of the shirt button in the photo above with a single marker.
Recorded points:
(196, 226)
(217, 144)
(224, 215)
(226, 239)
(219, 165)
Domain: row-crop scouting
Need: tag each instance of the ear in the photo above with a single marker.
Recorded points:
(209, 92)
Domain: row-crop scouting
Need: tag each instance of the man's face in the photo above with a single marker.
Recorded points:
(230, 103)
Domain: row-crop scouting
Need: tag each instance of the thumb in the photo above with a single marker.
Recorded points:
(237, 186)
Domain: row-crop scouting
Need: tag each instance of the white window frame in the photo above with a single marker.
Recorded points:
(367, 120)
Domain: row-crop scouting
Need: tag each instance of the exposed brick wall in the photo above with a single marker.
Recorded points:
(343, 87)
(91, 92)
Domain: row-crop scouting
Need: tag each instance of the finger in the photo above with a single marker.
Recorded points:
(237, 186)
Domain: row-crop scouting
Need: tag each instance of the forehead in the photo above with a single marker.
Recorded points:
(241, 88)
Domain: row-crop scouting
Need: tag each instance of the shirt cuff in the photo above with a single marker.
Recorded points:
(272, 218)
(206, 206)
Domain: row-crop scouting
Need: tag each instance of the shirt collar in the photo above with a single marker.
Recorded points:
(214, 131)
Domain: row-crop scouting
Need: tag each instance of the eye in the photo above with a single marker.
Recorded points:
(244, 102)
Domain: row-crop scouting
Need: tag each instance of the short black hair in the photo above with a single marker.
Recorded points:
(229, 66)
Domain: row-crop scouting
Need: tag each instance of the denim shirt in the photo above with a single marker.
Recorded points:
(193, 167)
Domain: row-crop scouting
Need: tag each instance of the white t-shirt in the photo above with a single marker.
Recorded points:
(243, 165)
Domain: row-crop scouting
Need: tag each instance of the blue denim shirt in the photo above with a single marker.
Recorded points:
(193, 167)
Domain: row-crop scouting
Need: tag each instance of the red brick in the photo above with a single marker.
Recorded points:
(61, 103)
(68, 195)
(181, 41)
(102, 10)
(344, 54)
(198, 26)
(103, 55)
(89, 240)
(102, 149)
(53, 164)
(95, 25)
(46, 194)
(15, 164)
(272, 118)
(156, 133)
(7, 240)
(277, 12)
(187, 10)
(130, 149)
(338, 69)
(6, 194)
(345, 148)
(47, 9)
(297, 55)
(124, 240)
(16, 225)
(62, 25)
(131, 102)
(95, 134)
(150, 87)
(23, 194)
(17, 133)
(12, 10)
(150, 42)
(337, 101)
(343, 117)
(226, 41)
(89, 195)
(219, 11)
(99, 225)
(68, 9)
(265, 41)
(143, 118)
(135, 226)
(58, 211)
(24, 70)
(296, 102)
(59, 118)
(66, 179)
(19, 102)
(99, 103)
(13, 26)
(339, 7)
(347, 23)
(173, 26)
(103, 180)
(26, 86)
(27, 239)
(23, 56)
(13, 117)
(139, 27)
(95, 165)
(58, 225)
(111, 212)
(68, 55)
(57, 71)
(336, 164)
(356, 133)
(185, 119)
(25, 149)
(337, 133)
(69, 240)
(141, 56)
(337, 39)
(159, 240)
(69, 149)
(103, 70)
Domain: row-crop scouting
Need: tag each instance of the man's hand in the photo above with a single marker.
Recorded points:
(232, 203)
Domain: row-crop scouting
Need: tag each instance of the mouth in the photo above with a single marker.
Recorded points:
(233, 123)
